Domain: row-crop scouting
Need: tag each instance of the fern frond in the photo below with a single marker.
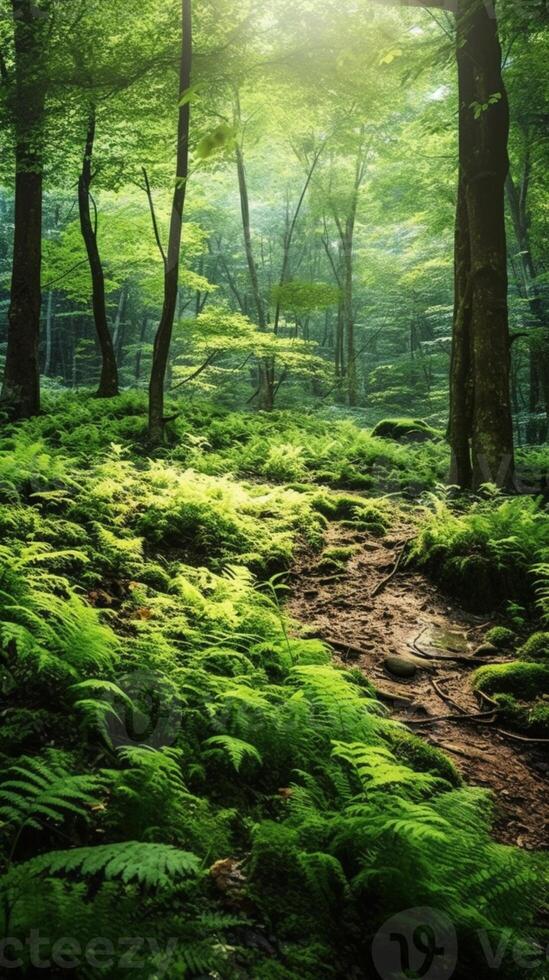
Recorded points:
(236, 749)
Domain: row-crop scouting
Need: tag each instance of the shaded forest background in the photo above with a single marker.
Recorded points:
(319, 217)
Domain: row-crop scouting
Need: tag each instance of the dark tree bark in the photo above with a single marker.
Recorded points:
(461, 369)
(163, 338)
(108, 382)
(480, 412)
(21, 385)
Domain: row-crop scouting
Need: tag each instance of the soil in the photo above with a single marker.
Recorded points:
(408, 615)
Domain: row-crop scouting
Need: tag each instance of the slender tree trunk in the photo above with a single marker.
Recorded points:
(482, 438)
(247, 230)
(539, 348)
(21, 384)
(108, 382)
(163, 338)
(346, 229)
(50, 315)
(348, 312)
(139, 355)
(119, 319)
(265, 369)
(74, 363)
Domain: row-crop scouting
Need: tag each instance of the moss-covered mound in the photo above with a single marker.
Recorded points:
(536, 648)
(501, 637)
(405, 430)
(525, 681)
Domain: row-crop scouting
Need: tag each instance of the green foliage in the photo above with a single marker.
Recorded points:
(536, 647)
(525, 680)
(40, 790)
(531, 717)
(189, 722)
(497, 543)
(305, 296)
(150, 865)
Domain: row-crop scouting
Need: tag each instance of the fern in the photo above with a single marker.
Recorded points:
(236, 749)
(40, 790)
(151, 865)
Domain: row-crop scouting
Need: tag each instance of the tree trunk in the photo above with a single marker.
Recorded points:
(163, 338)
(461, 369)
(265, 368)
(119, 320)
(139, 354)
(21, 385)
(539, 349)
(346, 230)
(480, 420)
(50, 316)
(108, 383)
(348, 313)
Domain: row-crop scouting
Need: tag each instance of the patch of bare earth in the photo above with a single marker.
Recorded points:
(409, 617)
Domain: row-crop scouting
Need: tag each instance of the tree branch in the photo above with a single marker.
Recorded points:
(198, 371)
(153, 217)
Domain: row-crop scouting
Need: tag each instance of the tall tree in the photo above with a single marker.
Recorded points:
(21, 385)
(171, 259)
(481, 432)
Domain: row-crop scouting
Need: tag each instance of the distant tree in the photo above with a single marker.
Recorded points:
(171, 258)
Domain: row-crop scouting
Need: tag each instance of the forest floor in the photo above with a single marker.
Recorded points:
(408, 615)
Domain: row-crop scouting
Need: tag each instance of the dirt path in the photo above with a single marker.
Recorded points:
(410, 609)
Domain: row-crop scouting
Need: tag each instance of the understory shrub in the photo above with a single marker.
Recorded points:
(484, 553)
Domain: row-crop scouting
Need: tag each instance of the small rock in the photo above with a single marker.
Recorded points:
(485, 650)
(399, 666)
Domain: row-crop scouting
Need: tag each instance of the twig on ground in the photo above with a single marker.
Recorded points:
(384, 695)
(346, 647)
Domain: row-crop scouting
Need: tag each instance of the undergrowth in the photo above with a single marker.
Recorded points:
(485, 552)
(178, 763)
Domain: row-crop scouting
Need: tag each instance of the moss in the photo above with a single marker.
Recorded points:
(405, 430)
(501, 637)
(335, 558)
(532, 719)
(336, 507)
(535, 648)
(525, 681)
(355, 513)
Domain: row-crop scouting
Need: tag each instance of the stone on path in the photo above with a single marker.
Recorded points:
(400, 666)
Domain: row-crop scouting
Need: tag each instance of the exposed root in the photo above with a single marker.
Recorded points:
(385, 582)
(485, 717)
